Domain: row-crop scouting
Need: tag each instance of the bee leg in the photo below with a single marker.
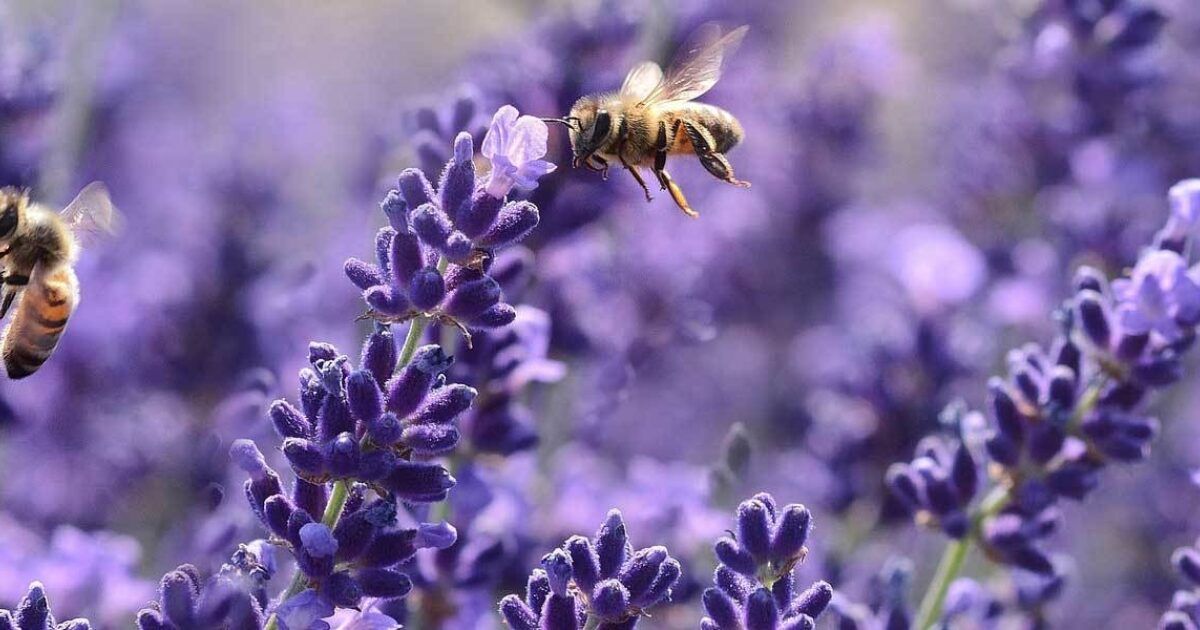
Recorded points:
(638, 176)
(602, 169)
(713, 162)
(664, 178)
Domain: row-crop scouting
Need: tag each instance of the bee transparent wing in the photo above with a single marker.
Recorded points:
(91, 214)
(642, 81)
(697, 65)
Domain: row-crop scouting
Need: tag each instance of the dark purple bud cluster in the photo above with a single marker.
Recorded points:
(369, 424)
(234, 598)
(755, 587)
(433, 130)
(602, 579)
(33, 613)
(886, 606)
(938, 485)
(1185, 605)
(459, 222)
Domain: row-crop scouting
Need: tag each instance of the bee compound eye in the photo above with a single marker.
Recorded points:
(8, 220)
(601, 127)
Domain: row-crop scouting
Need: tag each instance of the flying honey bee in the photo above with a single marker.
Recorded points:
(37, 249)
(652, 116)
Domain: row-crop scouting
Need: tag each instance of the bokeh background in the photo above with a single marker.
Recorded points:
(926, 175)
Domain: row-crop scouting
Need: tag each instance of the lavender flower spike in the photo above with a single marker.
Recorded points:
(33, 611)
(515, 145)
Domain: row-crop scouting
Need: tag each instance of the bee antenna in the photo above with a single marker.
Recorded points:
(571, 122)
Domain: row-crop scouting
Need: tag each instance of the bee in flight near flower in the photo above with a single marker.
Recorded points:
(37, 249)
(652, 116)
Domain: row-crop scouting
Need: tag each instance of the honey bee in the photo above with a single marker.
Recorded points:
(37, 250)
(652, 116)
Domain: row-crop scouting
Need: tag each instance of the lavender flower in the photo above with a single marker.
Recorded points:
(886, 606)
(755, 586)
(938, 485)
(33, 613)
(234, 597)
(601, 578)
(515, 145)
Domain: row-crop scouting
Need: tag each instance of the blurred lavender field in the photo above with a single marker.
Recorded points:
(929, 178)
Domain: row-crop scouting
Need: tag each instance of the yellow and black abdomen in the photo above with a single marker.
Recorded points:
(41, 316)
(725, 130)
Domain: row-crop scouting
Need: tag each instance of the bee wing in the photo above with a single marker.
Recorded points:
(697, 65)
(91, 214)
(642, 81)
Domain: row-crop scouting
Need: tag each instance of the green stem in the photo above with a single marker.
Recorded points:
(948, 569)
(593, 622)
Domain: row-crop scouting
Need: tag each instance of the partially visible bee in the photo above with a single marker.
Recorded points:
(652, 117)
(37, 249)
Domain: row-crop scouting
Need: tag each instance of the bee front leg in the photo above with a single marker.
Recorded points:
(713, 162)
(602, 169)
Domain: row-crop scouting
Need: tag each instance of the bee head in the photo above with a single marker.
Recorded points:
(590, 124)
(12, 211)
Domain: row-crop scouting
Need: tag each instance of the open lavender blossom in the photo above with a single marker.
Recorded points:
(515, 145)
(601, 582)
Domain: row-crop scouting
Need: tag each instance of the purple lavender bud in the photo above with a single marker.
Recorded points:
(379, 354)
(446, 404)
(639, 573)
(458, 247)
(1061, 389)
(305, 457)
(431, 225)
(537, 589)
(761, 613)
(342, 590)
(409, 387)
(475, 218)
(318, 540)
(319, 351)
(471, 299)
(791, 533)
(754, 529)
(1005, 412)
(436, 535)
(395, 210)
(905, 486)
(430, 439)
(584, 563)
(383, 245)
(147, 619)
(418, 482)
(610, 600)
(363, 274)
(458, 180)
(732, 555)
(342, 456)
(1186, 561)
(813, 601)
(720, 608)
(1122, 395)
(385, 430)
(557, 565)
(177, 592)
(1074, 481)
(1027, 385)
(333, 419)
(1067, 355)
(309, 497)
(298, 520)
(963, 474)
(1002, 450)
(514, 222)
(955, 523)
(375, 465)
(1030, 559)
(668, 574)
(1093, 317)
(364, 397)
(389, 548)
(1005, 530)
(1130, 346)
(278, 510)
(1141, 27)
(354, 532)
(405, 259)
(517, 614)
(561, 612)
(612, 544)
(496, 316)
(1045, 441)
(386, 583)
(415, 188)
(940, 495)
(426, 289)
(1176, 620)
(288, 421)
(1159, 372)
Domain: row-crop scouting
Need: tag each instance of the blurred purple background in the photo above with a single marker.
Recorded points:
(926, 176)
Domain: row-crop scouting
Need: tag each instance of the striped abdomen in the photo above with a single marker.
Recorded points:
(41, 315)
(725, 130)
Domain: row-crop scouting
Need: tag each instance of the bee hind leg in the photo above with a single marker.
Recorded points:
(713, 162)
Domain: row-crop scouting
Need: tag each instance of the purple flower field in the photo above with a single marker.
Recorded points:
(400, 323)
